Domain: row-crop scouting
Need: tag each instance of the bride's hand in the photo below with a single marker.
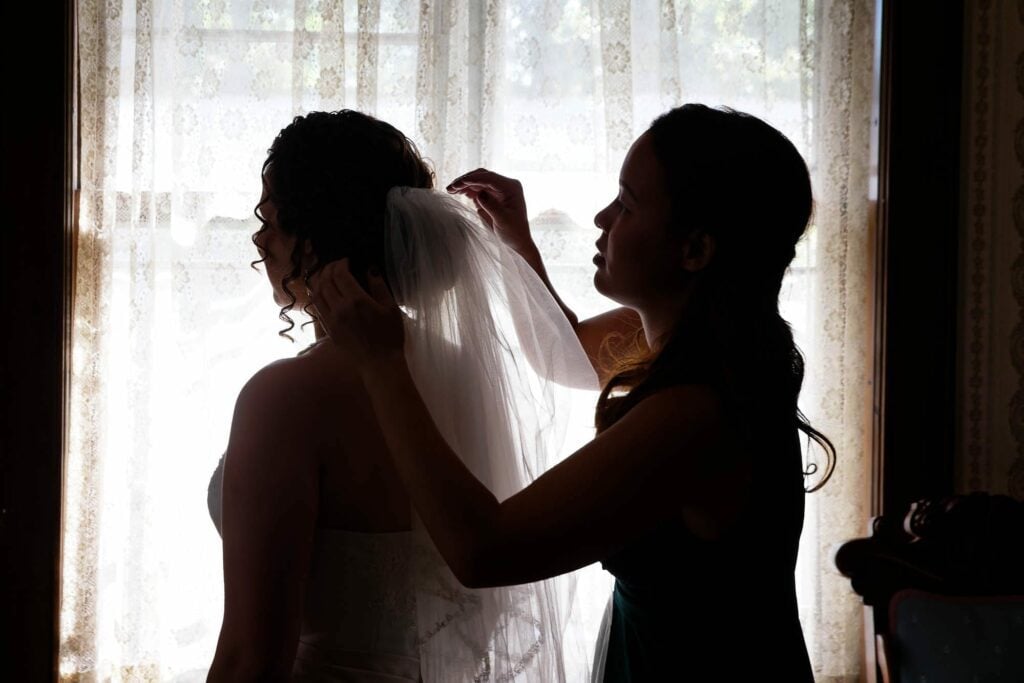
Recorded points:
(365, 324)
(500, 204)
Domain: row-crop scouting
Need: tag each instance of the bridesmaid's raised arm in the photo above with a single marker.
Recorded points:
(500, 203)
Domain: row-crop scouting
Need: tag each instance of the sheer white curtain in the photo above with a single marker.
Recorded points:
(180, 100)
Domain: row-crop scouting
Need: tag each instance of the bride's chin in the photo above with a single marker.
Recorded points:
(281, 300)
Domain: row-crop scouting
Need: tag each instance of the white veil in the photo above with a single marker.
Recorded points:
(497, 365)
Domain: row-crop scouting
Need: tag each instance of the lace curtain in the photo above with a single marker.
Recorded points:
(180, 100)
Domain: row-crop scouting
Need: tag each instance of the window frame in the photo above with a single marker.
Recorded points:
(36, 280)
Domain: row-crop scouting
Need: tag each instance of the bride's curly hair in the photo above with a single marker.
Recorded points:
(328, 174)
(743, 183)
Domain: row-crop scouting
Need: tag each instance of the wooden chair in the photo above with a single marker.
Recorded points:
(944, 588)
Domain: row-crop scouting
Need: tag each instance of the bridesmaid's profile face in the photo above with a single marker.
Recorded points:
(637, 257)
(275, 247)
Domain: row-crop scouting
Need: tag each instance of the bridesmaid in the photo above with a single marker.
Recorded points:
(692, 492)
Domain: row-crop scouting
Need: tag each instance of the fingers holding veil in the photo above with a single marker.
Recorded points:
(498, 201)
(379, 290)
(365, 324)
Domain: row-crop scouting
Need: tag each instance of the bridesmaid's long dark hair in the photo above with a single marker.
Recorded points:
(743, 183)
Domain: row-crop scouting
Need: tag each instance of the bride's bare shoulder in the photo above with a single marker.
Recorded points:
(304, 383)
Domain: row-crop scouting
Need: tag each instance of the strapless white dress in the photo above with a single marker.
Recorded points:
(359, 616)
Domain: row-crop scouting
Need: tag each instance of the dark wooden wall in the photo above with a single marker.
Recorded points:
(34, 221)
(921, 83)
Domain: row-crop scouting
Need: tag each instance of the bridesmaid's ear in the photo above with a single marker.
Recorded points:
(698, 250)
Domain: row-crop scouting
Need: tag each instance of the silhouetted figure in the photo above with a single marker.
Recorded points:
(692, 492)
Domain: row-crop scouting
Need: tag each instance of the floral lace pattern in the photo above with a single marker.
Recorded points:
(180, 100)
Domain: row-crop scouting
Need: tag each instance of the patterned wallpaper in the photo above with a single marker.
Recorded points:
(990, 454)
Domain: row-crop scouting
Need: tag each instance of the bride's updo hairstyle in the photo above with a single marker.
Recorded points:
(328, 174)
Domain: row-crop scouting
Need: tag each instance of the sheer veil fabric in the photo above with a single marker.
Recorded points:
(504, 378)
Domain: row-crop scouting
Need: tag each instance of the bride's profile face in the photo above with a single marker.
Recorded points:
(275, 247)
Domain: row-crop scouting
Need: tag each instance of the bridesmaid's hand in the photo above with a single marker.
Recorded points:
(366, 325)
(500, 204)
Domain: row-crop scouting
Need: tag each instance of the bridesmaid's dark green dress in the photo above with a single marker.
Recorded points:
(689, 609)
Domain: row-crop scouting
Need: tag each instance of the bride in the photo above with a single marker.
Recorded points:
(328, 575)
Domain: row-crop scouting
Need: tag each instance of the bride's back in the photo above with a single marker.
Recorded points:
(358, 611)
(359, 489)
